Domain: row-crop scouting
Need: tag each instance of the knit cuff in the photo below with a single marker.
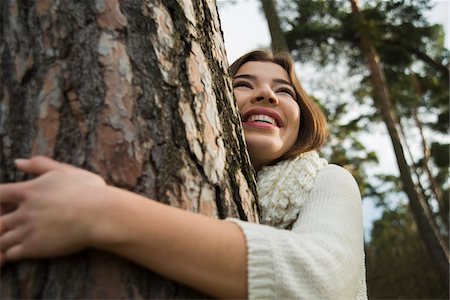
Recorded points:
(260, 268)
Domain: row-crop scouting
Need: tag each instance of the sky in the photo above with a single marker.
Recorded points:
(245, 29)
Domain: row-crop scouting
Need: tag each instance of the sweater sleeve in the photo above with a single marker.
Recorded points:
(322, 257)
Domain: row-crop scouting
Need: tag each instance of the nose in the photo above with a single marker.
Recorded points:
(265, 93)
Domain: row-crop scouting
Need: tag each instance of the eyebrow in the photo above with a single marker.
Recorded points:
(253, 77)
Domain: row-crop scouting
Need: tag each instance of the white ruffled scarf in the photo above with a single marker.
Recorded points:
(283, 187)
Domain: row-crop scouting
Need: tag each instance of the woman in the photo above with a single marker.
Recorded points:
(309, 246)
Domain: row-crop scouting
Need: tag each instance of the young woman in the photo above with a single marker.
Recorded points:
(310, 245)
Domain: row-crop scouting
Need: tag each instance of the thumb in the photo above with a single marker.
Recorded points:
(39, 165)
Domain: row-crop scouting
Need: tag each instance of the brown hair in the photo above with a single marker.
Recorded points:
(313, 131)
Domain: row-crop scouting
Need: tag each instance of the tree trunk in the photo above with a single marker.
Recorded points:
(279, 42)
(435, 189)
(425, 222)
(425, 166)
(413, 167)
(136, 91)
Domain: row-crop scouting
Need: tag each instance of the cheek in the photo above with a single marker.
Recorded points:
(295, 117)
(294, 110)
(239, 100)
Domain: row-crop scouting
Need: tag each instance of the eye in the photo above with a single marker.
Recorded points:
(244, 84)
(286, 90)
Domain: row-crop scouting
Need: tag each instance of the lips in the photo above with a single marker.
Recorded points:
(263, 114)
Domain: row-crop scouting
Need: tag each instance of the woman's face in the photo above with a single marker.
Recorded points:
(269, 112)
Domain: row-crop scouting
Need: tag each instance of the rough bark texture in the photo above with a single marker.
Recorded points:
(279, 42)
(136, 91)
(425, 221)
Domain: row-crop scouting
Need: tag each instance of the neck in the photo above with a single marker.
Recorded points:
(257, 164)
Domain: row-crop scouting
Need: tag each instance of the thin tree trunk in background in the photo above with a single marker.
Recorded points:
(136, 91)
(413, 166)
(279, 42)
(420, 188)
(426, 156)
(425, 222)
(425, 165)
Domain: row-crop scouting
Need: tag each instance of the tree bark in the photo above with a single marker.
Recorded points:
(279, 42)
(136, 91)
(425, 222)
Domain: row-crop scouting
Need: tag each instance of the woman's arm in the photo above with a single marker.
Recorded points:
(201, 252)
(67, 209)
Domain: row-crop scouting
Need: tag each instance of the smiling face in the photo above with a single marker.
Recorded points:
(269, 111)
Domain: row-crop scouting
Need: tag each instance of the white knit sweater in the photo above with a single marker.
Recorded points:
(322, 256)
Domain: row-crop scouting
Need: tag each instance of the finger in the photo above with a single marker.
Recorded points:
(8, 222)
(6, 208)
(39, 165)
(11, 238)
(15, 253)
(12, 193)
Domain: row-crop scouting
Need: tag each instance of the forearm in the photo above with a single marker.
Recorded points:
(204, 253)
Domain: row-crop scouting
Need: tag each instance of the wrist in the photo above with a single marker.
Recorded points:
(110, 226)
(100, 229)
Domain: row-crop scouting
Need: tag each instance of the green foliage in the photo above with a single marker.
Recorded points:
(317, 31)
(386, 187)
(344, 147)
(435, 95)
(398, 266)
(440, 154)
(324, 31)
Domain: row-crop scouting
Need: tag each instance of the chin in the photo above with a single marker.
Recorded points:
(265, 150)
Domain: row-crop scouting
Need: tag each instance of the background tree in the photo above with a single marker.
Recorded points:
(278, 38)
(429, 231)
(395, 246)
(136, 91)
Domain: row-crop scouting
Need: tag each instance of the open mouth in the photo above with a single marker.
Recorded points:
(262, 116)
(262, 119)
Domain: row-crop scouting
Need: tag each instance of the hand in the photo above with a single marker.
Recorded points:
(50, 215)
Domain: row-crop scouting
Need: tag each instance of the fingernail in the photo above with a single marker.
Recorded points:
(20, 161)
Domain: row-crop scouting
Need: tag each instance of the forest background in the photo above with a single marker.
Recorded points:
(315, 32)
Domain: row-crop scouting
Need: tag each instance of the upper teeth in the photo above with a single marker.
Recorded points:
(262, 118)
